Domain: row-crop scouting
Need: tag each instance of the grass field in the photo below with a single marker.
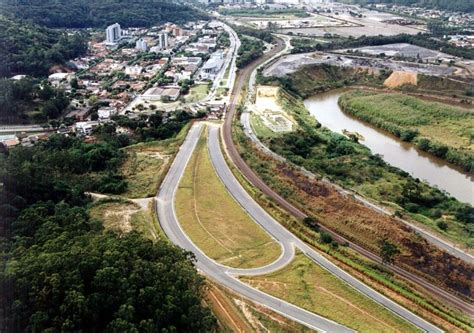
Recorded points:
(196, 93)
(259, 127)
(441, 129)
(307, 285)
(147, 163)
(409, 296)
(214, 220)
(236, 314)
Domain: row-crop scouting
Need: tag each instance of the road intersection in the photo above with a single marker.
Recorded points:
(215, 271)
(228, 276)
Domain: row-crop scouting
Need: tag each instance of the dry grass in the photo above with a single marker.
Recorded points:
(116, 214)
(235, 314)
(147, 163)
(309, 286)
(124, 216)
(214, 220)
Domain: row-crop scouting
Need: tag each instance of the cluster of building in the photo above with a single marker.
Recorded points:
(151, 67)
(461, 40)
(270, 3)
(453, 18)
(138, 63)
(11, 140)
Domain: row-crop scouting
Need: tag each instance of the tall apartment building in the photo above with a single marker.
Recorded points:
(141, 45)
(163, 40)
(113, 33)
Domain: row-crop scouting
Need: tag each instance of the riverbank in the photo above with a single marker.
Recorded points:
(404, 155)
(353, 166)
(440, 129)
(348, 217)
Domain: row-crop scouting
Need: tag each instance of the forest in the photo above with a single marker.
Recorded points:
(250, 49)
(453, 5)
(61, 271)
(32, 49)
(90, 13)
(30, 99)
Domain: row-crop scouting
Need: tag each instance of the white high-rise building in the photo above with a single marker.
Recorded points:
(113, 33)
(163, 40)
(141, 45)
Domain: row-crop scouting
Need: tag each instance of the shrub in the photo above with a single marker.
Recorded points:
(326, 238)
(442, 225)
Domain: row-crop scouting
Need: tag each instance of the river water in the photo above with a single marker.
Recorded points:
(403, 155)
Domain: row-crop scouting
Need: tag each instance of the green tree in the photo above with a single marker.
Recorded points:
(388, 251)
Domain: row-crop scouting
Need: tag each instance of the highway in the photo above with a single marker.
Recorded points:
(227, 276)
(242, 79)
(219, 273)
(283, 235)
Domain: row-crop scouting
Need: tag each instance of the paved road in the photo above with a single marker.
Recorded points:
(219, 273)
(229, 61)
(256, 181)
(283, 235)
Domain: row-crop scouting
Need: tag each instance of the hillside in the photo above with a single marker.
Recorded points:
(89, 13)
(27, 48)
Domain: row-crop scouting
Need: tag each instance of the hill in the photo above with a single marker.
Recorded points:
(27, 48)
(90, 13)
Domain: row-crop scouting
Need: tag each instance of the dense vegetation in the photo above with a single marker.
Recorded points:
(27, 48)
(352, 165)
(442, 130)
(28, 98)
(249, 50)
(264, 35)
(90, 13)
(62, 271)
(311, 79)
(453, 5)
(423, 40)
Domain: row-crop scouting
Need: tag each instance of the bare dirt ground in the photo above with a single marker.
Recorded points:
(398, 78)
(291, 63)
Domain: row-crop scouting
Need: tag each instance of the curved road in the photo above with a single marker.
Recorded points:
(170, 225)
(256, 181)
(283, 235)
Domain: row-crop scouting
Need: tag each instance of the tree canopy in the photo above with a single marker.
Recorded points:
(69, 275)
(27, 48)
(61, 271)
(90, 13)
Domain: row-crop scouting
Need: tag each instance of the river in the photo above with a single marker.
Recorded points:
(403, 155)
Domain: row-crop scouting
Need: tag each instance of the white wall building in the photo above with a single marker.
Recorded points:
(141, 45)
(113, 33)
(163, 40)
(212, 66)
(105, 113)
